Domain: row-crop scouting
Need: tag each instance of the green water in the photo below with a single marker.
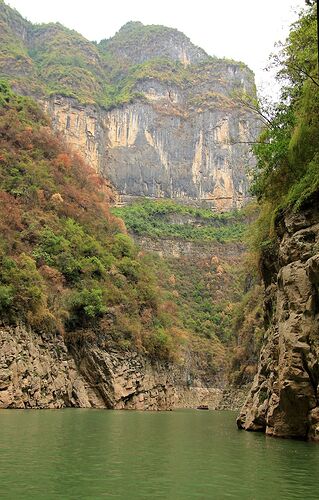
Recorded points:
(91, 454)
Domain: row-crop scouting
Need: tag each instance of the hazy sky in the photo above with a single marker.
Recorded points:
(245, 30)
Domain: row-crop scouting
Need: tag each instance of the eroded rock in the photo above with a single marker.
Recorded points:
(38, 372)
(283, 400)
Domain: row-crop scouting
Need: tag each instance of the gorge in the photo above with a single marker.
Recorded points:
(162, 123)
(125, 279)
(167, 114)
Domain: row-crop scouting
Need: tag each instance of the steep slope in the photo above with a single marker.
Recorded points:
(147, 100)
(162, 121)
(202, 264)
(283, 400)
(86, 319)
(14, 33)
(284, 397)
(66, 262)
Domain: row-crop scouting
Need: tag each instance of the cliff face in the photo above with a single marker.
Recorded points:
(38, 372)
(160, 121)
(68, 271)
(148, 109)
(41, 372)
(283, 400)
(165, 147)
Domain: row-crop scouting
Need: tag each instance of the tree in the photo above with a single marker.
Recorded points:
(280, 160)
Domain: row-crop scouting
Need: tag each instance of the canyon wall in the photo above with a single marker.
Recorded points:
(158, 117)
(161, 147)
(283, 400)
(40, 371)
(152, 112)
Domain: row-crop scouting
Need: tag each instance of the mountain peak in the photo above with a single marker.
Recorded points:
(131, 25)
(138, 43)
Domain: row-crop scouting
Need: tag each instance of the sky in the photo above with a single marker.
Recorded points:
(245, 30)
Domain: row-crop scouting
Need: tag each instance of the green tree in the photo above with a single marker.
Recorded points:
(287, 153)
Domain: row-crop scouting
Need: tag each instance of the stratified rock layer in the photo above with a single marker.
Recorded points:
(283, 400)
(40, 372)
(152, 112)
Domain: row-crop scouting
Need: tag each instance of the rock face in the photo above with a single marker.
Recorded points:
(173, 130)
(283, 400)
(126, 379)
(40, 372)
(152, 112)
(164, 146)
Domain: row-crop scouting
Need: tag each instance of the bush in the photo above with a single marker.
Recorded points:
(87, 304)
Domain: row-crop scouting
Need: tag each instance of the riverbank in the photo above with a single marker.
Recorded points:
(42, 372)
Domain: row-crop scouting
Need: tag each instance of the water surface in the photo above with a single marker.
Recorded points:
(91, 454)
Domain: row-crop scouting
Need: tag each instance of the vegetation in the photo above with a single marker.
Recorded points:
(249, 328)
(164, 219)
(205, 292)
(287, 174)
(286, 177)
(206, 284)
(66, 263)
(55, 60)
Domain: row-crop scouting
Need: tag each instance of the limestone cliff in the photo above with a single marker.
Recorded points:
(148, 109)
(283, 400)
(164, 146)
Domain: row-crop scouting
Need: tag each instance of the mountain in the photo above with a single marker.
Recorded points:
(136, 44)
(147, 100)
(86, 317)
(90, 319)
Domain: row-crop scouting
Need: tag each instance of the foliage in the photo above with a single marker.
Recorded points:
(287, 173)
(204, 291)
(164, 219)
(64, 262)
(249, 328)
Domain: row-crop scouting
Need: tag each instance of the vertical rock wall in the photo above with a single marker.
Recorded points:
(41, 372)
(283, 400)
(162, 146)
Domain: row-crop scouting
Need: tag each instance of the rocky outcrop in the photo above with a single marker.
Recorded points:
(182, 144)
(38, 372)
(165, 147)
(283, 400)
(126, 379)
(41, 372)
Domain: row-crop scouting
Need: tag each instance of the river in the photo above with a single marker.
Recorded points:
(184, 454)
